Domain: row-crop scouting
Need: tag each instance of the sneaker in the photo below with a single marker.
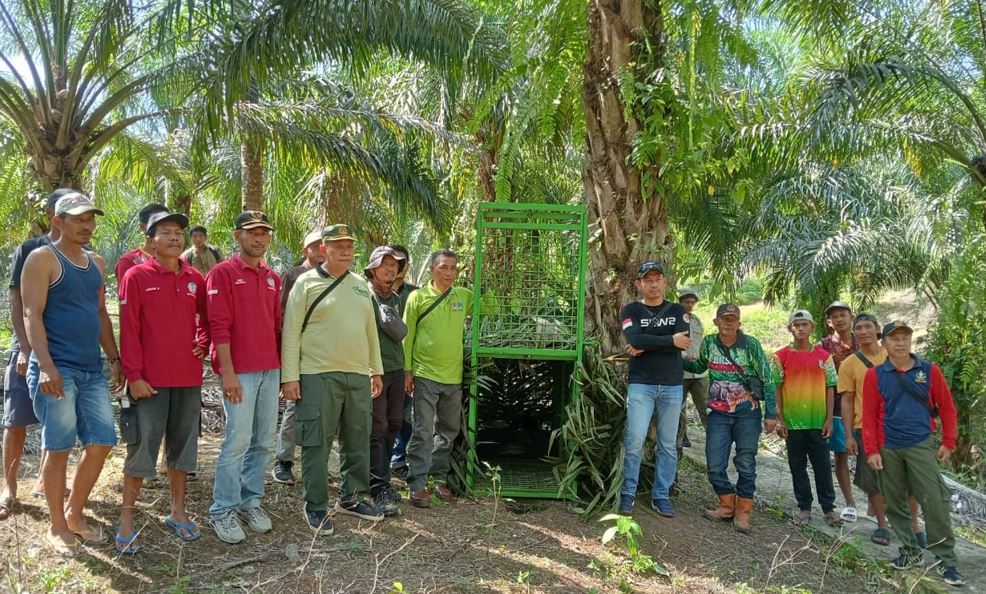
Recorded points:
(228, 529)
(257, 519)
(906, 562)
(360, 509)
(318, 521)
(626, 505)
(282, 472)
(663, 507)
(386, 504)
(392, 494)
(951, 575)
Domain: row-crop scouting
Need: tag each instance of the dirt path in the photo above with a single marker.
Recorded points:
(538, 547)
(775, 495)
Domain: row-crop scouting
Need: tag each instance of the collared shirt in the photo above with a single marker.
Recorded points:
(127, 261)
(433, 347)
(696, 333)
(893, 418)
(203, 261)
(245, 313)
(341, 335)
(726, 383)
(162, 319)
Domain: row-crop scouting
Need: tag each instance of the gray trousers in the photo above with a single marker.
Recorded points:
(285, 437)
(437, 410)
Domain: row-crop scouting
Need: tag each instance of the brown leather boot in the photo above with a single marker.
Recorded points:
(420, 498)
(741, 522)
(724, 511)
(443, 492)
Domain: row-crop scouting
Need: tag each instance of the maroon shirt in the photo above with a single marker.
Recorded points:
(126, 262)
(245, 313)
(162, 319)
(839, 351)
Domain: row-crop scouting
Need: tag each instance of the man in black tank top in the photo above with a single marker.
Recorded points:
(65, 317)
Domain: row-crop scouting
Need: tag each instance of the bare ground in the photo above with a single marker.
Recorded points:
(538, 547)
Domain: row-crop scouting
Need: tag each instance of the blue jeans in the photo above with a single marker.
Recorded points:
(643, 402)
(84, 412)
(742, 428)
(251, 426)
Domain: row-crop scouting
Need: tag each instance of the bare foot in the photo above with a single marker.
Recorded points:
(63, 543)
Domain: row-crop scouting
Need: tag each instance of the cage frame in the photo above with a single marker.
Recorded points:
(560, 218)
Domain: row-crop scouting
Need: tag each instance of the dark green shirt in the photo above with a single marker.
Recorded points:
(391, 351)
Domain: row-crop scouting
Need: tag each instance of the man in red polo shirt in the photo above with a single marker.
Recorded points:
(140, 254)
(244, 298)
(163, 340)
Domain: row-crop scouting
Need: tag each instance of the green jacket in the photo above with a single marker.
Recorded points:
(433, 349)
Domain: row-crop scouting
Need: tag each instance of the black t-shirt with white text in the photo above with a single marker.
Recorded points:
(652, 328)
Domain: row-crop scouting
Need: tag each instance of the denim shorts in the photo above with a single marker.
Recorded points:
(84, 414)
(18, 410)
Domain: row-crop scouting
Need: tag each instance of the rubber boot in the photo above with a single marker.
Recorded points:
(725, 510)
(741, 522)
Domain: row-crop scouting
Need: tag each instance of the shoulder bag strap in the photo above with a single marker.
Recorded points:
(739, 368)
(319, 299)
(861, 357)
(916, 394)
(434, 304)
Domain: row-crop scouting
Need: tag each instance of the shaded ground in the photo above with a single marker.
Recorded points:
(547, 547)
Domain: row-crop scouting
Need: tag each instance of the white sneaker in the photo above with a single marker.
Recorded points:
(257, 519)
(228, 529)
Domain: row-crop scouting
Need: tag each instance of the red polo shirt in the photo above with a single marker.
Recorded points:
(162, 318)
(126, 262)
(245, 313)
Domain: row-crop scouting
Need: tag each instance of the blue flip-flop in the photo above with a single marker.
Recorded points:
(126, 545)
(191, 528)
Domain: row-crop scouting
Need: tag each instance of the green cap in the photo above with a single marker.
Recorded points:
(337, 233)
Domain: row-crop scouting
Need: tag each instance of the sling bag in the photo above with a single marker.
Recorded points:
(754, 385)
(862, 357)
(319, 299)
(434, 304)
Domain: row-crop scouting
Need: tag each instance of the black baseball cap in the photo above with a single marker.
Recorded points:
(728, 309)
(837, 305)
(253, 219)
(144, 214)
(649, 266)
(865, 316)
(160, 217)
(896, 326)
(52, 198)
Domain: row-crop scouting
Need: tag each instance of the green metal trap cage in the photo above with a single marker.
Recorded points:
(526, 339)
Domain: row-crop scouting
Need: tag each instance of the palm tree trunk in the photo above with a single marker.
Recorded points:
(626, 227)
(252, 167)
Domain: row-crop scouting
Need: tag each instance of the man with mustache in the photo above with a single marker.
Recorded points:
(163, 337)
(66, 322)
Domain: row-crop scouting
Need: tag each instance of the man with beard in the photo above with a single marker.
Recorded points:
(163, 339)
(388, 407)
(244, 307)
(66, 322)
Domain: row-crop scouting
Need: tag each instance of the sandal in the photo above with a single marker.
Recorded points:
(126, 545)
(60, 546)
(802, 517)
(832, 520)
(187, 532)
(881, 536)
(849, 514)
(90, 536)
(7, 507)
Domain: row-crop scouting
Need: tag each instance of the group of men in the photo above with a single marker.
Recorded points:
(346, 353)
(858, 392)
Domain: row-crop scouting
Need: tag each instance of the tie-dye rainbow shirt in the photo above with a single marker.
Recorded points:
(805, 376)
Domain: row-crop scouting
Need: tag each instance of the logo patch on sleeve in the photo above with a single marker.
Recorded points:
(627, 323)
